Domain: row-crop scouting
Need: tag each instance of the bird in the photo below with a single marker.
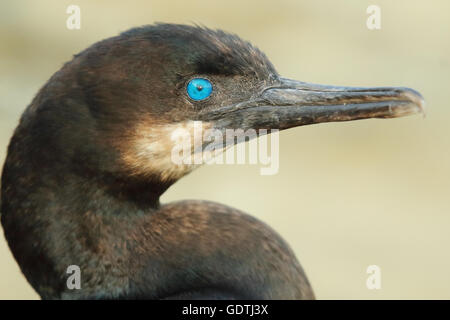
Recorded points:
(91, 156)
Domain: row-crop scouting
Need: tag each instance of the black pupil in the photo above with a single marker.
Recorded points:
(199, 88)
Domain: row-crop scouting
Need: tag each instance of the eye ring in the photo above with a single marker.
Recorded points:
(199, 89)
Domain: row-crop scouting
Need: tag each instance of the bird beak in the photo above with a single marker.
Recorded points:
(291, 103)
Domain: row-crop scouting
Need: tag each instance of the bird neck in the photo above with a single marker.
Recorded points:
(128, 247)
(61, 218)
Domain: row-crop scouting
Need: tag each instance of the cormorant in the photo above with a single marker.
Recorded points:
(92, 155)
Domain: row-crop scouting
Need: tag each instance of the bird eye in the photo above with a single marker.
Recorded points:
(199, 89)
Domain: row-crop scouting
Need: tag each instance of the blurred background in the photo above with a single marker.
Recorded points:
(347, 195)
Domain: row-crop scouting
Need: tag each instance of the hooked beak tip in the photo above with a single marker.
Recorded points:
(418, 100)
(409, 102)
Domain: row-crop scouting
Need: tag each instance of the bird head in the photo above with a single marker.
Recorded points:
(115, 107)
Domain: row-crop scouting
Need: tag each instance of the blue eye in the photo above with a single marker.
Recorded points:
(199, 89)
